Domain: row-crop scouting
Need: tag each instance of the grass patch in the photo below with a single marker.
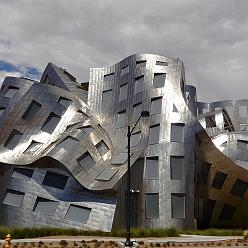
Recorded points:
(19, 233)
(215, 232)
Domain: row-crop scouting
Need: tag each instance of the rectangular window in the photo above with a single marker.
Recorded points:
(152, 205)
(55, 180)
(109, 77)
(102, 148)
(64, 101)
(11, 92)
(119, 159)
(242, 144)
(152, 168)
(159, 80)
(139, 84)
(33, 147)
(178, 205)
(135, 139)
(219, 180)
(86, 161)
(161, 63)
(13, 198)
(68, 143)
(121, 119)
(78, 213)
(210, 208)
(106, 174)
(154, 134)
(140, 63)
(124, 70)
(1, 111)
(177, 167)
(107, 98)
(13, 140)
(243, 111)
(51, 123)
(45, 206)
(239, 188)
(123, 92)
(203, 173)
(156, 105)
(227, 213)
(22, 173)
(137, 108)
(177, 132)
(31, 111)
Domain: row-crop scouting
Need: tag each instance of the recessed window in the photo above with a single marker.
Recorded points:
(243, 111)
(13, 198)
(55, 180)
(210, 208)
(137, 111)
(68, 143)
(1, 111)
(243, 127)
(87, 129)
(227, 213)
(156, 105)
(154, 134)
(33, 147)
(161, 63)
(210, 121)
(109, 77)
(178, 205)
(159, 80)
(121, 119)
(107, 98)
(11, 92)
(242, 144)
(47, 80)
(177, 132)
(78, 213)
(140, 63)
(152, 167)
(139, 84)
(31, 111)
(22, 173)
(177, 167)
(64, 101)
(219, 180)
(13, 140)
(204, 171)
(123, 92)
(124, 70)
(45, 206)
(239, 188)
(120, 158)
(135, 139)
(86, 161)
(152, 205)
(174, 108)
(51, 123)
(106, 174)
(102, 148)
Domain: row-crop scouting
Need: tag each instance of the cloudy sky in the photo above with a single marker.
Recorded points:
(210, 36)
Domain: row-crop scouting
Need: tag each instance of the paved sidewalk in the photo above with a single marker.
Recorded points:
(182, 238)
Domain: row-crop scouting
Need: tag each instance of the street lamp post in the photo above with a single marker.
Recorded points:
(129, 134)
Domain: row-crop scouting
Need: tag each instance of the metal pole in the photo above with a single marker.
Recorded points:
(128, 234)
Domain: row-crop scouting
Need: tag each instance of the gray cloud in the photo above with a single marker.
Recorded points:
(208, 35)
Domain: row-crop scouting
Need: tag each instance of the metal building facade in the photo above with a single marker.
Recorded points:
(63, 149)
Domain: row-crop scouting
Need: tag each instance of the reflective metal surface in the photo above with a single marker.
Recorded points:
(63, 149)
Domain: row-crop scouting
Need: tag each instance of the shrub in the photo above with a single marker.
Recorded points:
(63, 242)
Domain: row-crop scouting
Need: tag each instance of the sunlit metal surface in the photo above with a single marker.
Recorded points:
(63, 149)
